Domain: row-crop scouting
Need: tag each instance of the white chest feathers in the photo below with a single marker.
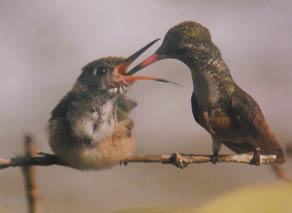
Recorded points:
(96, 124)
(106, 120)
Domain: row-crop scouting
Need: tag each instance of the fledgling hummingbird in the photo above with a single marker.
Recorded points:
(219, 105)
(90, 128)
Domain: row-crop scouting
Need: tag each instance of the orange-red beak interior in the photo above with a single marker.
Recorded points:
(121, 70)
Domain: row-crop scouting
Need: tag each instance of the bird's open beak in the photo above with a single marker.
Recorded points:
(121, 70)
(153, 58)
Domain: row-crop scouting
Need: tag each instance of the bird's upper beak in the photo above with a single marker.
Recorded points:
(153, 58)
(121, 70)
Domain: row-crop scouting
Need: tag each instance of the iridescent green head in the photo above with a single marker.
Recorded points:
(188, 42)
(182, 37)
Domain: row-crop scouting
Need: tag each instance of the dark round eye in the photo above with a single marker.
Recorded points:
(91, 110)
(99, 71)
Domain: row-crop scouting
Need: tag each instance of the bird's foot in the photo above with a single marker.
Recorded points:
(178, 160)
(215, 157)
(256, 157)
(124, 162)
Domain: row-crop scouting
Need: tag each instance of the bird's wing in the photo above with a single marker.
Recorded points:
(238, 148)
(196, 109)
(63, 106)
(250, 122)
(124, 128)
(124, 107)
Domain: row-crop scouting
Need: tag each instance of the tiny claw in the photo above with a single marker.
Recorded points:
(256, 157)
(215, 157)
(124, 162)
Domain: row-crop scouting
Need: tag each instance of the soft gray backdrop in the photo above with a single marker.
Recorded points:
(45, 43)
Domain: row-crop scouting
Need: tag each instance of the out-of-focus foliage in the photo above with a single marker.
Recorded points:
(268, 199)
(160, 210)
(254, 199)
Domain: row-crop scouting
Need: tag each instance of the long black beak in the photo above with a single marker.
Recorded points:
(152, 59)
(122, 72)
(122, 68)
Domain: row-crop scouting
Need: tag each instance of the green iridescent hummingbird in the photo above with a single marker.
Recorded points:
(219, 105)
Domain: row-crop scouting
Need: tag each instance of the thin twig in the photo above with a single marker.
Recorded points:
(29, 173)
(176, 159)
(182, 160)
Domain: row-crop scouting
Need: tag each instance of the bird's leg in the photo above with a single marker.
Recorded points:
(216, 146)
(256, 157)
(215, 157)
(124, 162)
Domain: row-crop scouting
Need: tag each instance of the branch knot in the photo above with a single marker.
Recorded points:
(178, 160)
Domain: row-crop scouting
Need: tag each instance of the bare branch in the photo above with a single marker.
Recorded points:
(42, 159)
(182, 160)
(177, 159)
(29, 173)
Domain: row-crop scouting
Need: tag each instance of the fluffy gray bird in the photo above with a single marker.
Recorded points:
(90, 128)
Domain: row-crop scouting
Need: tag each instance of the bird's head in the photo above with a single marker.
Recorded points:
(109, 73)
(186, 42)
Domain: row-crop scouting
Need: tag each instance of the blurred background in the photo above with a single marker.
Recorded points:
(45, 43)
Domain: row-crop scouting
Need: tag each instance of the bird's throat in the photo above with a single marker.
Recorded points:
(212, 82)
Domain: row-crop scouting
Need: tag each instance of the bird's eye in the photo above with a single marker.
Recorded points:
(91, 110)
(99, 71)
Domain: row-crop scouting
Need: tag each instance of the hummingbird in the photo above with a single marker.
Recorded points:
(219, 105)
(89, 129)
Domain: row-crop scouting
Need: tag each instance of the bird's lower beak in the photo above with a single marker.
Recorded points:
(121, 70)
(153, 58)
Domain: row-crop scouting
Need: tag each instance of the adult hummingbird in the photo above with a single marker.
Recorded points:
(90, 127)
(219, 105)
